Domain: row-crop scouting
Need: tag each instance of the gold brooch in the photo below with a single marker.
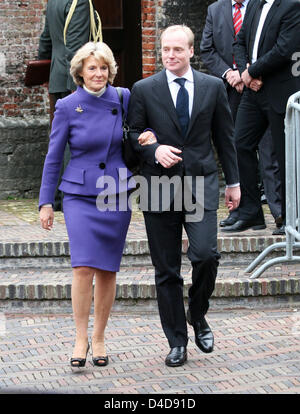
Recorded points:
(79, 109)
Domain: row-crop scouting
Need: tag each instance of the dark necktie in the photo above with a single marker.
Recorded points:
(182, 106)
(255, 26)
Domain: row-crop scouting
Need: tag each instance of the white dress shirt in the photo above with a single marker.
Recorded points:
(264, 13)
(189, 85)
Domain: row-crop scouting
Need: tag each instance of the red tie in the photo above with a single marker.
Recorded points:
(237, 22)
(237, 18)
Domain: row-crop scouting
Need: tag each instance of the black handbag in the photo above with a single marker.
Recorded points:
(130, 157)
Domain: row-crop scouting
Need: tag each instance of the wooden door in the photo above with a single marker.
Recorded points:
(121, 26)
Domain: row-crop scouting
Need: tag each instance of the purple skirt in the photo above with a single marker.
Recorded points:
(96, 238)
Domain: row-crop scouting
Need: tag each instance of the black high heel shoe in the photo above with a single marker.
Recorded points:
(79, 362)
(100, 361)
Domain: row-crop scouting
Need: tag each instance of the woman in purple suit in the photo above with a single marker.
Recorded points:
(90, 120)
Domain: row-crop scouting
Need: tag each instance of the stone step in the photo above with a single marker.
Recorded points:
(37, 253)
(137, 283)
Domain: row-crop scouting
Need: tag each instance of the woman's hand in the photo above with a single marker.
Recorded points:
(147, 138)
(47, 217)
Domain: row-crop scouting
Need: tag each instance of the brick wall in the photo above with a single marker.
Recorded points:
(150, 11)
(21, 23)
(24, 111)
(157, 15)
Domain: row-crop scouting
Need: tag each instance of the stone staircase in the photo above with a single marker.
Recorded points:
(35, 270)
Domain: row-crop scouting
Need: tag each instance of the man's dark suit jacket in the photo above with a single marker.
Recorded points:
(216, 45)
(52, 45)
(151, 106)
(280, 38)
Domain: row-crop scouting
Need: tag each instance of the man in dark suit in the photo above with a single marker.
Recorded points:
(186, 109)
(223, 22)
(263, 52)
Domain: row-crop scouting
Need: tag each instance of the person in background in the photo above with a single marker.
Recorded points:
(68, 26)
(263, 52)
(90, 121)
(223, 23)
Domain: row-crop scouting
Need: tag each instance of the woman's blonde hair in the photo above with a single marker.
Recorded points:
(99, 50)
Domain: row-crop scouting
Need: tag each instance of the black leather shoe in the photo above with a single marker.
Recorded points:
(279, 221)
(242, 225)
(263, 199)
(204, 337)
(176, 357)
(229, 221)
(279, 231)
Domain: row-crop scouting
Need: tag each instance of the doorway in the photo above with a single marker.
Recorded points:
(121, 27)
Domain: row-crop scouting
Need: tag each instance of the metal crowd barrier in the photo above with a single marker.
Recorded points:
(292, 159)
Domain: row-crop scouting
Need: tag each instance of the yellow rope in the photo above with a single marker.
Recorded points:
(68, 19)
(95, 29)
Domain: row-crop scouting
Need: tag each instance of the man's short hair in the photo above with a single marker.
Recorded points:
(183, 28)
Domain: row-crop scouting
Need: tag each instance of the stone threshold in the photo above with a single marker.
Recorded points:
(61, 248)
(146, 290)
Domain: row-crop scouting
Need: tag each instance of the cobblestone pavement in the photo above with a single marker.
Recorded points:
(256, 349)
(256, 352)
(19, 221)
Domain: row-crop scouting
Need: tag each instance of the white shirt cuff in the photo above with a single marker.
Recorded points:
(224, 74)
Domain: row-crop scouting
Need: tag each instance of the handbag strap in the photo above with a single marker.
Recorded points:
(120, 93)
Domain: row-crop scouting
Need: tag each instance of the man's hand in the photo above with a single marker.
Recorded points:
(256, 84)
(246, 78)
(46, 217)
(147, 138)
(166, 155)
(240, 87)
(233, 77)
(232, 197)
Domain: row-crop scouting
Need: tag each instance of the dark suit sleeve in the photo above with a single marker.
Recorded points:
(287, 43)
(222, 136)
(138, 122)
(209, 55)
(77, 34)
(45, 44)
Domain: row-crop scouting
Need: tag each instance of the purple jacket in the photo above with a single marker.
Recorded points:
(93, 128)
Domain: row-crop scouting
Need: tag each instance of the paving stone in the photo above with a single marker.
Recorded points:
(256, 350)
(229, 369)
